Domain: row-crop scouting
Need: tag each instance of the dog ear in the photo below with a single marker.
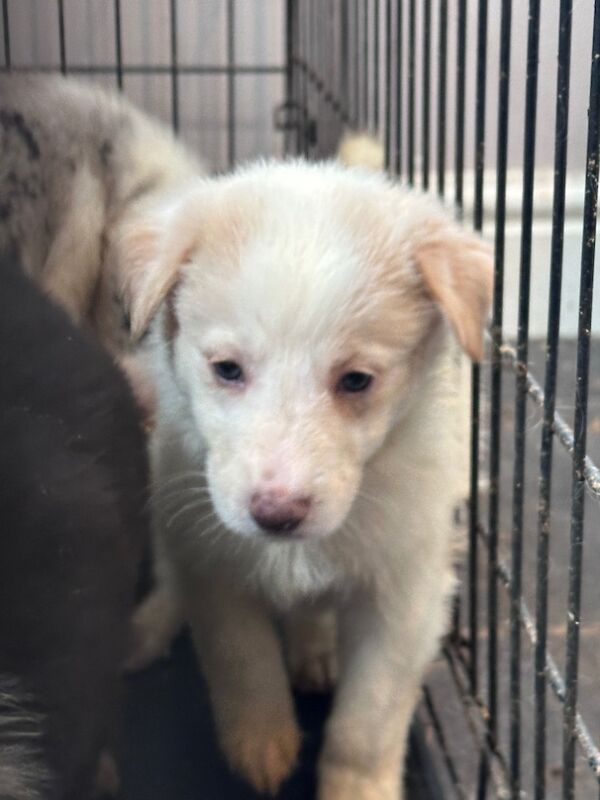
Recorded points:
(152, 249)
(149, 254)
(142, 281)
(457, 269)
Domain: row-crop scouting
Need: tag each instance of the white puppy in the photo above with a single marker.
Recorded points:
(305, 328)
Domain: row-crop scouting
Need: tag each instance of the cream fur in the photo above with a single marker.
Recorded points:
(301, 273)
(361, 149)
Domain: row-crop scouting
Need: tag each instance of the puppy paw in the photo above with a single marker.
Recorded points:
(153, 627)
(264, 759)
(344, 783)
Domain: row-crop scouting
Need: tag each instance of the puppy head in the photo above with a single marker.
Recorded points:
(302, 302)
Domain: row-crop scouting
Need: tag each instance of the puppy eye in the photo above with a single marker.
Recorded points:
(229, 371)
(355, 381)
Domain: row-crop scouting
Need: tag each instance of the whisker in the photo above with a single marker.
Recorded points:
(206, 517)
(186, 490)
(183, 509)
(175, 497)
(206, 531)
(160, 483)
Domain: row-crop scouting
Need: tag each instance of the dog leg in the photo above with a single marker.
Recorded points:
(242, 661)
(155, 624)
(107, 780)
(380, 673)
(72, 268)
(311, 644)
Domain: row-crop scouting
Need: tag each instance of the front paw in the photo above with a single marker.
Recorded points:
(264, 755)
(338, 782)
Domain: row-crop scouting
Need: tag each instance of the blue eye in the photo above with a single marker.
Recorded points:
(355, 381)
(229, 371)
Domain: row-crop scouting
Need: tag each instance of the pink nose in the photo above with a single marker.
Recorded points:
(277, 511)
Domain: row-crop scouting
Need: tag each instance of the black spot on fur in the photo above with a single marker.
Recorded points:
(28, 186)
(14, 121)
(5, 210)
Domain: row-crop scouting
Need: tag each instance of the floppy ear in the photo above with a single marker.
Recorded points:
(152, 249)
(457, 269)
(149, 257)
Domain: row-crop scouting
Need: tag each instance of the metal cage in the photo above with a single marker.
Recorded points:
(362, 64)
(502, 713)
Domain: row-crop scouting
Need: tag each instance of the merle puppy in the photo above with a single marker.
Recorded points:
(72, 526)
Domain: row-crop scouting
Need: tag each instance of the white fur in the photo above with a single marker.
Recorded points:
(301, 273)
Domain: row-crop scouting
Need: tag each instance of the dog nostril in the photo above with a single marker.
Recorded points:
(277, 515)
(275, 524)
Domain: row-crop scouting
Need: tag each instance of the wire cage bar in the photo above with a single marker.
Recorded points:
(439, 82)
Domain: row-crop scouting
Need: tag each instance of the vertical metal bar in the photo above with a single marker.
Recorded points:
(291, 136)
(118, 44)
(441, 99)
(331, 73)
(365, 47)
(590, 210)
(375, 65)
(303, 53)
(388, 85)
(315, 106)
(533, 31)
(304, 27)
(231, 149)
(319, 22)
(6, 27)
(345, 60)
(411, 91)
(314, 96)
(61, 37)
(552, 344)
(174, 68)
(496, 366)
(473, 564)
(399, 83)
(480, 93)
(426, 89)
(328, 47)
(317, 27)
(459, 153)
(357, 66)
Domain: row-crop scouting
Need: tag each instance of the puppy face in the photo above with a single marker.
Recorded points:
(302, 317)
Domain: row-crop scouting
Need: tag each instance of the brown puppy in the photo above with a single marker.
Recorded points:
(72, 482)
